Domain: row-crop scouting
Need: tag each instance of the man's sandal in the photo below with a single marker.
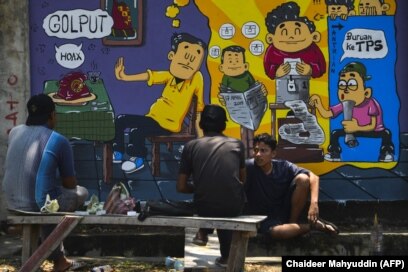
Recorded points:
(334, 230)
(200, 239)
(74, 265)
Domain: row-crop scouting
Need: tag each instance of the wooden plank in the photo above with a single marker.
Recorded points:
(26, 243)
(239, 245)
(244, 223)
(30, 241)
(62, 230)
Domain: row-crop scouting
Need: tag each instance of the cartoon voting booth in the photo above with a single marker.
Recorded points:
(298, 134)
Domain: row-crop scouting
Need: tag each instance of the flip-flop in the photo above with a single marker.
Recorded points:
(72, 267)
(325, 229)
(76, 265)
(200, 239)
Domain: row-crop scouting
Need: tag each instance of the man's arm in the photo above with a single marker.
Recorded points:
(183, 186)
(313, 213)
(315, 101)
(121, 75)
(199, 131)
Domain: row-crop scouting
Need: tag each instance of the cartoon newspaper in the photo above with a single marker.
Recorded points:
(245, 108)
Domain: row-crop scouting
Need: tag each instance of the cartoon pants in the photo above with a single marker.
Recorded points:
(385, 135)
(140, 127)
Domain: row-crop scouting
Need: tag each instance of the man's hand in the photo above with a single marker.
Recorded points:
(264, 90)
(283, 69)
(303, 68)
(315, 101)
(120, 69)
(313, 213)
(350, 126)
(221, 99)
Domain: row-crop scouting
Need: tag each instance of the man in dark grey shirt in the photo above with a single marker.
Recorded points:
(217, 166)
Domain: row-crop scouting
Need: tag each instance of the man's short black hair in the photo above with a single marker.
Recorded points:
(348, 3)
(286, 12)
(213, 119)
(266, 139)
(233, 48)
(39, 109)
(178, 38)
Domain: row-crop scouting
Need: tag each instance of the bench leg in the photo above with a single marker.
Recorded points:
(31, 234)
(236, 259)
(62, 230)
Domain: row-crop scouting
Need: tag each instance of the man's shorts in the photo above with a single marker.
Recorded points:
(280, 215)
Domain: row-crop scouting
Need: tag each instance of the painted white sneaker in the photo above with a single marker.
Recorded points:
(117, 157)
(386, 157)
(132, 165)
(332, 157)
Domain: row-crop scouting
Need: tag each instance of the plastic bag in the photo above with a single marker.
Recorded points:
(119, 200)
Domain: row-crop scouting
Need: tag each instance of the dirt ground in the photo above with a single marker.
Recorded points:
(12, 264)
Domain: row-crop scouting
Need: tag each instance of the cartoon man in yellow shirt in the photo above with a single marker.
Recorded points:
(182, 82)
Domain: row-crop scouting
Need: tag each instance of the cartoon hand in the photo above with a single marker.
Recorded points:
(120, 69)
(303, 69)
(264, 90)
(283, 70)
(315, 101)
(371, 11)
(344, 16)
(333, 16)
(350, 126)
(221, 99)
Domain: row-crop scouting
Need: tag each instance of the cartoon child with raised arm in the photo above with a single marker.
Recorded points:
(181, 83)
(363, 114)
(292, 36)
(340, 8)
(372, 7)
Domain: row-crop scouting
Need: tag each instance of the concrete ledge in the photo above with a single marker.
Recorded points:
(353, 215)
(319, 244)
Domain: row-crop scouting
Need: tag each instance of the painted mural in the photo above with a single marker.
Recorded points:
(318, 75)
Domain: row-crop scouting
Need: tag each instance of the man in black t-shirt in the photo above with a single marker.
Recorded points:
(280, 189)
(217, 166)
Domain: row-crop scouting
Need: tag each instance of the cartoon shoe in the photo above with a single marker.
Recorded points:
(132, 165)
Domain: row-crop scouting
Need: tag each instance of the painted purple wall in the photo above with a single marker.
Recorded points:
(126, 97)
(136, 98)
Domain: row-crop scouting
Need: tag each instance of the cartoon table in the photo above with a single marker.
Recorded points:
(93, 120)
(287, 150)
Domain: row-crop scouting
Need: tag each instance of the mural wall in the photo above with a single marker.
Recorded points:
(318, 75)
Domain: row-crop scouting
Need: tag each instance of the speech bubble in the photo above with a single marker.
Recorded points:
(364, 44)
(77, 23)
(69, 55)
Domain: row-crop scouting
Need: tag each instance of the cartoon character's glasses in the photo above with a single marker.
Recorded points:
(351, 85)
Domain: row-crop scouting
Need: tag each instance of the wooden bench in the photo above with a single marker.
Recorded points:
(243, 227)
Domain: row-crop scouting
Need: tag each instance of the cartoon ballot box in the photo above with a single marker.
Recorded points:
(292, 87)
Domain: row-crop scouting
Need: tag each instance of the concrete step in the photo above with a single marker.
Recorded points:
(357, 216)
(162, 244)
(354, 219)
(319, 244)
(172, 244)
